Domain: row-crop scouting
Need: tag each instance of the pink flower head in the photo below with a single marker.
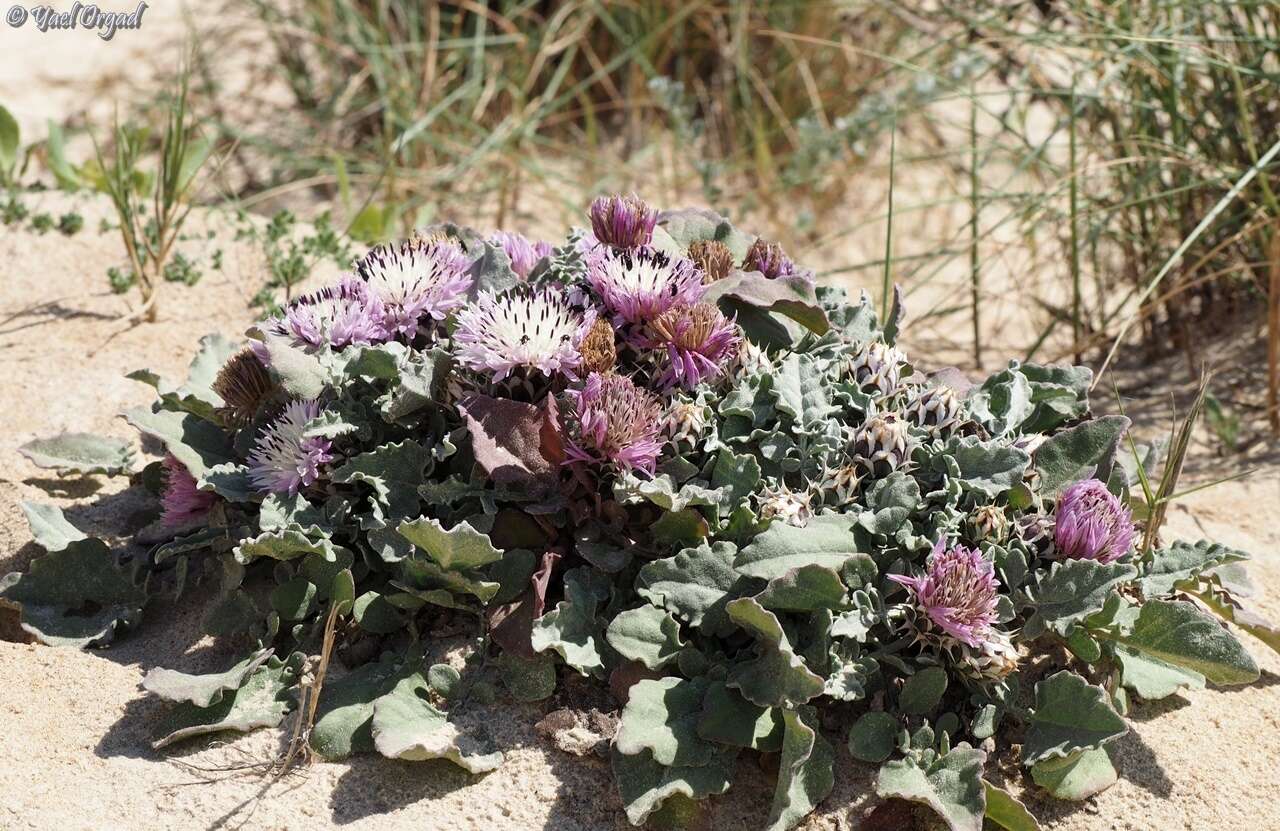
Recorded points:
(339, 316)
(622, 221)
(614, 422)
(284, 459)
(1092, 524)
(637, 286)
(524, 254)
(769, 259)
(417, 281)
(699, 342)
(521, 327)
(182, 502)
(958, 592)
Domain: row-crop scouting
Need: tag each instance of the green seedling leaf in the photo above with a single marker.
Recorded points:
(527, 680)
(79, 596)
(80, 454)
(923, 691)
(1070, 715)
(874, 736)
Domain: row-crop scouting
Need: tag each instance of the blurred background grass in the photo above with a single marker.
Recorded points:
(1046, 179)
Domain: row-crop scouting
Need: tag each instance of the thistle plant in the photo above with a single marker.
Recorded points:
(758, 525)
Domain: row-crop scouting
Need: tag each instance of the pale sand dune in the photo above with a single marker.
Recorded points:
(75, 729)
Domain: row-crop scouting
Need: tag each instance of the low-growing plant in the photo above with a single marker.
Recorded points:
(660, 458)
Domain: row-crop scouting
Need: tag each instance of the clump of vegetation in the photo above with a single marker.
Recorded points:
(290, 257)
(659, 458)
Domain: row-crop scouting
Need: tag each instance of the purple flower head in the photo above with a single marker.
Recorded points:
(769, 259)
(1092, 524)
(522, 327)
(417, 281)
(283, 458)
(958, 592)
(614, 422)
(622, 221)
(524, 253)
(637, 286)
(181, 501)
(699, 342)
(340, 315)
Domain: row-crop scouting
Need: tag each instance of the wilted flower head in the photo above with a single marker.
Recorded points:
(713, 257)
(181, 501)
(622, 221)
(599, 349)
(244, 385)
(699, 342)
(416, 281)
(522, 327)
(524, 253)
(340, 315)
(637, 286)
(1092, 524)
(614, 421)
(685, 421)
(957, 592)
(878, 367)
(769, 259)
(283, 458)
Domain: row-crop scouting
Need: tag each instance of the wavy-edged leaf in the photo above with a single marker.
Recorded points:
(1179, 634)
(950, 785)
(694, 585)
(1006, 811)
(407, 726)
(1077, 776)
(394, 472)
(806, 772)
(287, 543)
(202, 690)
(661, 717)
(645, 785)
(1078, 452)
(804, 589)
(645, 634)
(777, 676)
(200, 445)
(728, 718)
(826, 540)
(989, 468)
(459, 547)
(80, 453)
(1070, 715)
(1182, 562)
(572, 628)
(79, 596)
(262, 700)
(49, 527)
(1073, 590)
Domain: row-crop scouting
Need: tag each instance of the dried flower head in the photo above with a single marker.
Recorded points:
(637, 286)
(599, 349)
(416, 281)
(613, 421)
(883, 444)
(622, 221)
(936, 409)
(878, 368)
(988, 522)
(244, 385)
(769, 259)
(842, 483)
(284, 459)
(523, 327)
(686, 420)
(1092, 524)
(992, 661)
(713, 257)
(182, 502)
(785, 505)
(957, 593)
(339, 316)
(523, 252)
(698, 340)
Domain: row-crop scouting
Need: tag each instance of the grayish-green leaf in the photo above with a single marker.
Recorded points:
(49, 527)
(694, 585)
(874, 736)
(1004, 809)
(645, 785)
(571, 628)
(1179, 634)
(459, 547)
(777, 676)
(806, 772)
(951, 785)
(1182, 562)
(260, 701)
(923, 691)
(728, 718)
(827, 540)
(407, 726)
(200, 445)
(804, 589)
(202, 690)
(645, 634)
(988, 468)
(1078, 776)
(80, 453)
(1076, 453)
(662, 717)
(1070, 715)
(1074, 589)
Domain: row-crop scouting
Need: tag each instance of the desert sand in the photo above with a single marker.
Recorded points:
(75, 728)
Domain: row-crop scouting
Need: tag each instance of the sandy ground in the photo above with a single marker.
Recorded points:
(75, 728)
